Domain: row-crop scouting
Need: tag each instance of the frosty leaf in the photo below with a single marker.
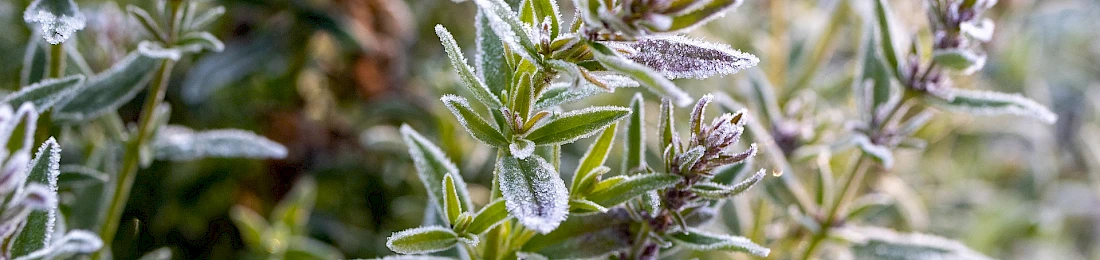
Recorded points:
(631, 187)
(72, 243)
(565, 92)
(965, 61)
(473, 123)
(431, 166)
(147, 22)
(163, 253)
(682, 57)
(490, 216)
(880, 153)
(108, 90)
(980, 102)
(522, 148)
(492, 66)
(458, 61)
(250, 224)
(593, 158)
(422, 240)
(302, 247)
(534, 193)
(542, 11)
(197, 41)
(702, 15)
(45, 94)
(585, 206)
(78, 175)
(716, 191)
(413, 257)
(886, 39)
(585, 236)
(57, 19)
(38, 229)
(18, 139)
(648, 77)
(507, 27)
(573, 125)
(205, 18)
(881, 243)
(179, 143)
(157, 51)
(981, 30)
(702, 241)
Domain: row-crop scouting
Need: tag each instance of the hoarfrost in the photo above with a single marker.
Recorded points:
(57, 19)
(522, 148)
(74, 242)
(178, 143)
(995, 103)
(534, 193)
(421, 240)
(703, 241)
(678, 57)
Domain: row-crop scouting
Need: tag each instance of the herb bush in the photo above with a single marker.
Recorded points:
(542, 129)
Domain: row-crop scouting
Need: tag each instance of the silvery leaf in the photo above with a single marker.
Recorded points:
(678, 57)
(178, 143)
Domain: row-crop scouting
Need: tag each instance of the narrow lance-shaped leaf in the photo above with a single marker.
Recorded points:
(594, 157)
(488, 217)
(179, 143)
(72, 243)
(431, 166)
(995, 103)
(702, 15)
(880, 153)
(147, 22)
(47, 93)
(631, 187)
(719, 191)
(965, 61)
(881, 243)
(507, 27)
(422, 240)
(39, 226)
(293, 211)
(250, 224)
(458, 61)
(534, 192)
(57, 19)
(573, 125)
(634, 148)
(491, 65)
(702, 241)
(648, 77)
(197, 41)
(451, 204)
(107, 91)
(682, 57)
(473, 123)
(886, 39)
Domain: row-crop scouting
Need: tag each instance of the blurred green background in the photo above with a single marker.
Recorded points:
(333, 79)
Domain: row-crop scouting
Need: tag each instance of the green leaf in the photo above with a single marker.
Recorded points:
(492, 66)
(251, 225)
(523, 89)
(666, 123)
(593, 158)
(648, 77)
(966, 61)
(534, 193)
(39, 226)
(147, 22)
(490, 216)
(46, 93)
(585, 236)
(302, 247)
(431, 166)
(631, 187)
(702, 15)
(458, 61)
(547, 10)
(880, 153)
(294, 210)
(508, 27)
(473, 123)
(886, 40)
(179, 143)
(716, 191)
(565, 92)
(702, 241)
(585, 206)
(80, 176)
(980, 102)
(573, 125)
(634, 148)
(589, 181)
(422, 240)
(107, 91)
(206, 18)
(881, 243)
(197, 41)
(451, 205)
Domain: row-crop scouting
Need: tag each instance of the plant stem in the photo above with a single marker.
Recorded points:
(130, 164)
(55, 70)
(855, 180)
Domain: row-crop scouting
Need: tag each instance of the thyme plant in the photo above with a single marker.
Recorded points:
(530, 62)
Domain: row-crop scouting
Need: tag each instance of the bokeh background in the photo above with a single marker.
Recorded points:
(333, 79)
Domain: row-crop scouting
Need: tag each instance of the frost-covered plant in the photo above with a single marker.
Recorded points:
(29, 214)
(529, 63)
(60, 85)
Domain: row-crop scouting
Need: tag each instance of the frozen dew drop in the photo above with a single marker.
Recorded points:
(57, 19)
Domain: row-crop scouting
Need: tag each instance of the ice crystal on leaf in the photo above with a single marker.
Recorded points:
(57, 19)
(533, 192)
(678, 57)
